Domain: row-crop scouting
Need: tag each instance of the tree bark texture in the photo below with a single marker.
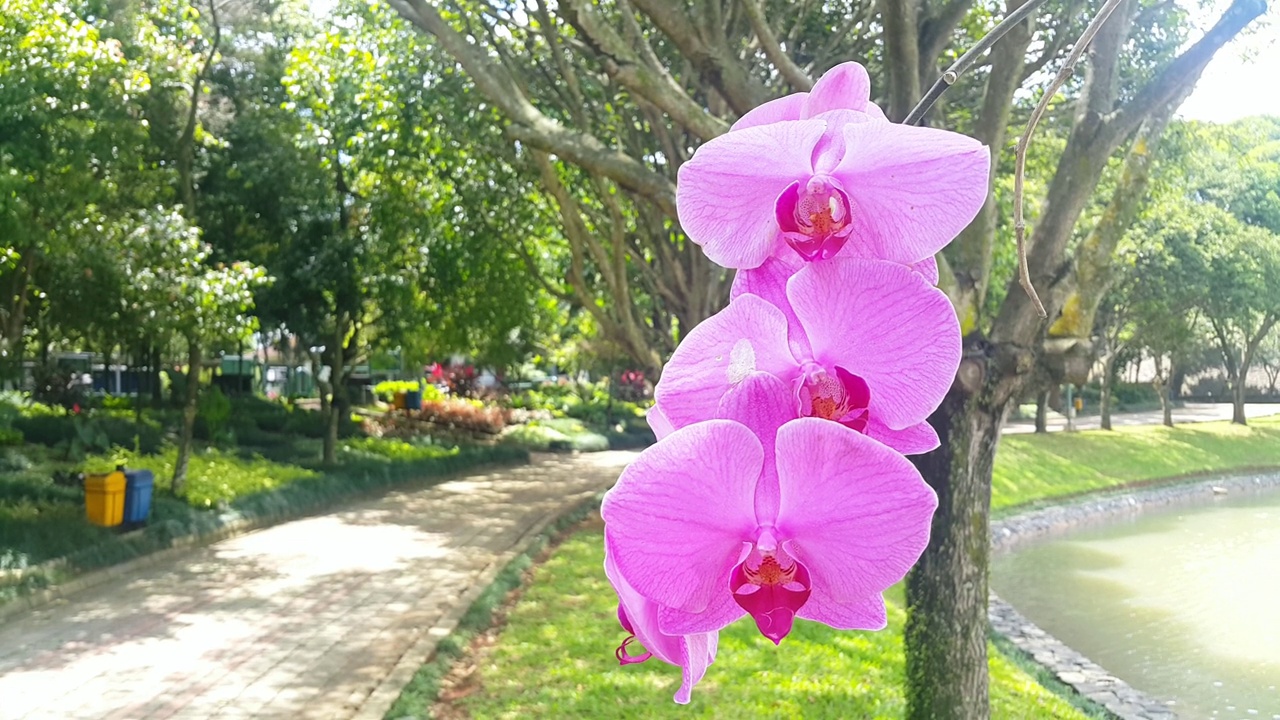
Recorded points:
(1042, 411)
(946, 626)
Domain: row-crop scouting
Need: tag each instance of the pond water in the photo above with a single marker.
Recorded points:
(1183, 604)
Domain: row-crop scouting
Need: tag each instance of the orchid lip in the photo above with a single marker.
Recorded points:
(840, 396)
(771, 586)
(815, 217)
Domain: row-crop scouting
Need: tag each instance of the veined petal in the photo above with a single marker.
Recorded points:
(913, 189)
(784, 108)
(748, 335)
(855, 512)
(883, 322)
(691, 653)
(913, 440)
(769, 283)
(865, 614)
(763, 403)
(844, 87)
(928, 269)
(677, 518)
(725, 194)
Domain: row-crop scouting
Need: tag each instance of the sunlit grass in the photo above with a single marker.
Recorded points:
(555, 656)
(1036, 467)
(555, 659)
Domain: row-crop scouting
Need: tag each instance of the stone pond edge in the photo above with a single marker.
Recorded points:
(1070, 667)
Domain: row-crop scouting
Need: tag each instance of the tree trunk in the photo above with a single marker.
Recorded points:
(1104, 404)
(1042, 411)
(946, 631)
(337, 363)
(1166, 406)
(1237, 398)
(189, 406)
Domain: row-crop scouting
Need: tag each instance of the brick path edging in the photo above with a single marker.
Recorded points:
(1083, 675)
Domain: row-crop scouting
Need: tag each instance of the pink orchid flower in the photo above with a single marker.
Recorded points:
(869, 344)
(638, 616)
(814, 171)
(765, 516)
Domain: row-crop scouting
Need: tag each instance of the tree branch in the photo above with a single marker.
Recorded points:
(1020, 168)
(529, 125)
(1186, 69)
(654, 84)
(780, 59)
(715, 63)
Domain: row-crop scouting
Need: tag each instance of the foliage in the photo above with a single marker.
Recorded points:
(214, 477)
(387, 390)
(591, 403)
(214, 410)
(393, 450)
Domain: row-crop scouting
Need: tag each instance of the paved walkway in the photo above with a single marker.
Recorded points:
(323, 617)
(1190, 413)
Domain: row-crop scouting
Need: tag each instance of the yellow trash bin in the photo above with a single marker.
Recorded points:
(104, 498)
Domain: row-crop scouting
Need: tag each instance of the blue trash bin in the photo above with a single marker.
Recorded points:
(413, 400)
(138, 485)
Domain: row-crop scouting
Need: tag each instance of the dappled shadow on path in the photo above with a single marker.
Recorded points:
(300, 620)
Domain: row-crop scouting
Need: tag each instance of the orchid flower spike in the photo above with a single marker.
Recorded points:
(759, 514)
(869, 344)
(814, 171)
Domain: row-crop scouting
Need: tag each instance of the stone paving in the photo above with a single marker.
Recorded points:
(324, 617)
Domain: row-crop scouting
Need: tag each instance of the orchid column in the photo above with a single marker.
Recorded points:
(779, 487)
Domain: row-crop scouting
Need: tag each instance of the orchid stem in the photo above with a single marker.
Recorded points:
(1020, 167)
(968, 60)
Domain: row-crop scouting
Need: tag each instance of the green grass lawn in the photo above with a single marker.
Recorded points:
(554, 658)
(1037, 467)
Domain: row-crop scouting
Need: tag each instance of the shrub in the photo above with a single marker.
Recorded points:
(10, 436)
(214, 410)
(213, 476)
(315, 424)
(465, 414)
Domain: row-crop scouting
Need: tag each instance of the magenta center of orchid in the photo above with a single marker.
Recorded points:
(840, 396)
(815, 218)
(771, 586)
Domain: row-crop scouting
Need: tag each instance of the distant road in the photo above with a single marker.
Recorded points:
(1192, 412)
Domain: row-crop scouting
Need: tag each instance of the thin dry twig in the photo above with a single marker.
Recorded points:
(1020, 155)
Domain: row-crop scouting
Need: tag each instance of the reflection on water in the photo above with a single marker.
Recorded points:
(1181, 604)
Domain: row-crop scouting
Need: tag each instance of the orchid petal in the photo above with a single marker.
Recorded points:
(763, 403)
(782, 109)
(914, 440)
(865, 614)
(669, 554)
(883, 322)
(855, 512)
(692, 653)
(725, 194)
(913, 189)
(928, 269)
(846, 86)
(748, 335)
(658, 422)
(769, 282)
